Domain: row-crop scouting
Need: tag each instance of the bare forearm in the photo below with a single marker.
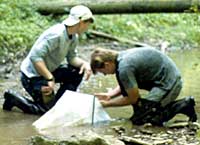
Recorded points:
(131, 99)
(119, 101)
(42, 70)
(83, 65)
(77, 62)
(115, 92)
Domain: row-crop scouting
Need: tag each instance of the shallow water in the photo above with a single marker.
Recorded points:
(15, 127)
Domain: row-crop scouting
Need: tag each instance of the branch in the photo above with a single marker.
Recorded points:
(114, 38)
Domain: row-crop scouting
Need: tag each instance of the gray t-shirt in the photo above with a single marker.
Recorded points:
(51, 47)
(146, 68)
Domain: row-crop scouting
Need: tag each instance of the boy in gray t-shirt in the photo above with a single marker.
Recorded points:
(143, 68)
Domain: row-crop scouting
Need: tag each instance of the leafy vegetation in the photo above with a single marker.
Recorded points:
(181, 30)
(20, 25)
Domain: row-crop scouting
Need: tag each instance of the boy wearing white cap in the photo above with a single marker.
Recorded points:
(43, 66)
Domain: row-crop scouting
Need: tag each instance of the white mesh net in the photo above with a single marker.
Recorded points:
(72, 109)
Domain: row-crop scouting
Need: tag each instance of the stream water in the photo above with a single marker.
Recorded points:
(16, 127)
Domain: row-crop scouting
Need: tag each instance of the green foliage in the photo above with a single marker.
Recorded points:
(181, 30)
(19, 25)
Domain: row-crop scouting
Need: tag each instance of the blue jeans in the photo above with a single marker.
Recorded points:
(68, 77)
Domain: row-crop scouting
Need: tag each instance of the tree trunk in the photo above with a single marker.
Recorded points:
(119, 6)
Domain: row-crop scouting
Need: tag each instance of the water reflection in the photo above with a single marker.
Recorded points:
(15, 127)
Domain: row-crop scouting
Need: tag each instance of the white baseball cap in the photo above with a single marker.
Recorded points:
(78, 13)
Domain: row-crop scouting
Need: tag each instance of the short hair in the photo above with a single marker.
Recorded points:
(90, 20)
(100, 56)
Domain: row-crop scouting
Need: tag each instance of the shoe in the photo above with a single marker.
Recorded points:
(192, 114)
(12, 99)
(9, 100)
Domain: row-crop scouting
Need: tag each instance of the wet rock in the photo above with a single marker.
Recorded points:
(146, 131)
(191, 125)
(132, 140)
(181, 133)
(82, 139)
(119, 129)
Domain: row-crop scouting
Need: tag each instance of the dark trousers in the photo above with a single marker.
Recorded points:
(146, 111)
(68, 77)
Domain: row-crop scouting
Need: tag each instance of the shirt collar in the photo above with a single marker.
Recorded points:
(70, 37)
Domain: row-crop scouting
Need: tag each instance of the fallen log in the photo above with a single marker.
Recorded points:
(119, 6)
(114, 38)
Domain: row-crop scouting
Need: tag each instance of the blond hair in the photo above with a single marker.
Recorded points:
(101, 55)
